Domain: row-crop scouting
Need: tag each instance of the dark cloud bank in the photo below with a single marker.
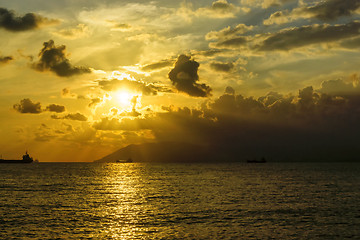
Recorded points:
(30, 21)
(313, 125)
(333, 9)
(53, 58)
(290, 38)
(307, 35)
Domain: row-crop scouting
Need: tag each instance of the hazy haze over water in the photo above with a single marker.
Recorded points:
(177, 201)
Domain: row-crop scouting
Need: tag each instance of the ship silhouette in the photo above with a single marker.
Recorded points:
(262, 160)
(25, 159)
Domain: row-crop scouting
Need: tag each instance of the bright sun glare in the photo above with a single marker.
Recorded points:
(124, 98)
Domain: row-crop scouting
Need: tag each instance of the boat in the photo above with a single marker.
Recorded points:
(262, 160)
(25, 159)
(129, 160)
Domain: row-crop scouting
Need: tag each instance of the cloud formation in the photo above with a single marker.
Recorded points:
(265, 3)
(28, 106)
(94, 102)
(222, 67)
(332, 9)
(71, 116)
(228, 32)
(5, 59)
(30, 21)
(306, 35)
(229, 38)
(219, 9)
(115, 84)
(65, 93)
(340, 88)
(329, 10)
(157, 65)
(81, 30)
(288, 38)
(55, 108)
(184, 77)
(53, 58)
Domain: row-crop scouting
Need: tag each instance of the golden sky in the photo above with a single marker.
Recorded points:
(82, 78)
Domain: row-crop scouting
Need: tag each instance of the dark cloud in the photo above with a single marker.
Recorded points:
(53, 58)
(209, 52)
(290, 38)
(185, 75)
(222, 67)
(115, 84)
(5, 59)
(351, 43)
(279, 17)
(94, 102)
(222, 6)
(66, 93)
(71, 116)
(340, 88)
(229, 90)
(307, 35)
(55, 108)
(235, 42)
(308, 126)
(333, 9)
(30, 21)
(328, 10)
(219, 9)
(157, 65)
(229, 37)
(27, 106)
(122, 26)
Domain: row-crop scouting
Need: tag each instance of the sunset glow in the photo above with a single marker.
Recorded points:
(190, 119)
(243, 77)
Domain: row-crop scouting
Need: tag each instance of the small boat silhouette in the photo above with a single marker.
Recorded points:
(129, 160)
(262, 160)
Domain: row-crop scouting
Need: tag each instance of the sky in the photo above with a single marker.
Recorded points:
(80, 79)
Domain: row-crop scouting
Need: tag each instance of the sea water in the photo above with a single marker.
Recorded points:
(180, 201)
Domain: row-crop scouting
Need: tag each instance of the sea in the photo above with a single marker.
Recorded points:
(180, 201)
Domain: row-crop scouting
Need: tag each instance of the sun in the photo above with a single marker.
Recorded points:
(125, 98)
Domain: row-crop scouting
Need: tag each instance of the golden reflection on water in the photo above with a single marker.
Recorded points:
(179, 201)
(125, 207)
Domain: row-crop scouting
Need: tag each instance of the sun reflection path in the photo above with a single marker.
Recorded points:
(124, 202)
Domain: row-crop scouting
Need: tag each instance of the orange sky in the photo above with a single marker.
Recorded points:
(81, 79)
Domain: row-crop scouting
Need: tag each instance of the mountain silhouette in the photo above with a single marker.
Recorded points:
(160, 152)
